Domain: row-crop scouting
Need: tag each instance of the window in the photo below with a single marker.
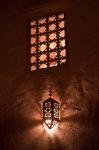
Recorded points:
(47, 42)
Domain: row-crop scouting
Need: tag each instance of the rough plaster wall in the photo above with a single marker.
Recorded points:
(76, 86)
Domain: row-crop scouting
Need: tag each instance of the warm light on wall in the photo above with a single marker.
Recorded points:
(51, 114)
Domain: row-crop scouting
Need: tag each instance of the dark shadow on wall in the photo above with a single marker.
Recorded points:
(57, 144)
(12, 126)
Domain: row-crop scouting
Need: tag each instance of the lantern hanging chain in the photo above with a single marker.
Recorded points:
(50, 93)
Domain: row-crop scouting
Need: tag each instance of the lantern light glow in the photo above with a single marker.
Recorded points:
(52, 130)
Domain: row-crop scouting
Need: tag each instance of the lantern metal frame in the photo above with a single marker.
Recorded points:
(51, 113)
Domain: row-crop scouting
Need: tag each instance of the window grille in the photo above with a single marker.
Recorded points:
(47, 42)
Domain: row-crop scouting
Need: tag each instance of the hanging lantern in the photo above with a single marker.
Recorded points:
(50, 112)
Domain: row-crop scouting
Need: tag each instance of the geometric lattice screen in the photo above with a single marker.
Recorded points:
(47, 42)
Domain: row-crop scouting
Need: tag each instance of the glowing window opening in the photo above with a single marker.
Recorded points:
(47, 42)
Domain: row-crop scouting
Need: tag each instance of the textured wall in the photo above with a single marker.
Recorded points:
(76, 84)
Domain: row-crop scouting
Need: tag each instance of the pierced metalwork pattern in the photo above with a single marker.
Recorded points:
(47, 42)
(50, 112)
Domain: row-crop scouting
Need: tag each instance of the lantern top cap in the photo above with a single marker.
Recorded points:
(50, 100)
